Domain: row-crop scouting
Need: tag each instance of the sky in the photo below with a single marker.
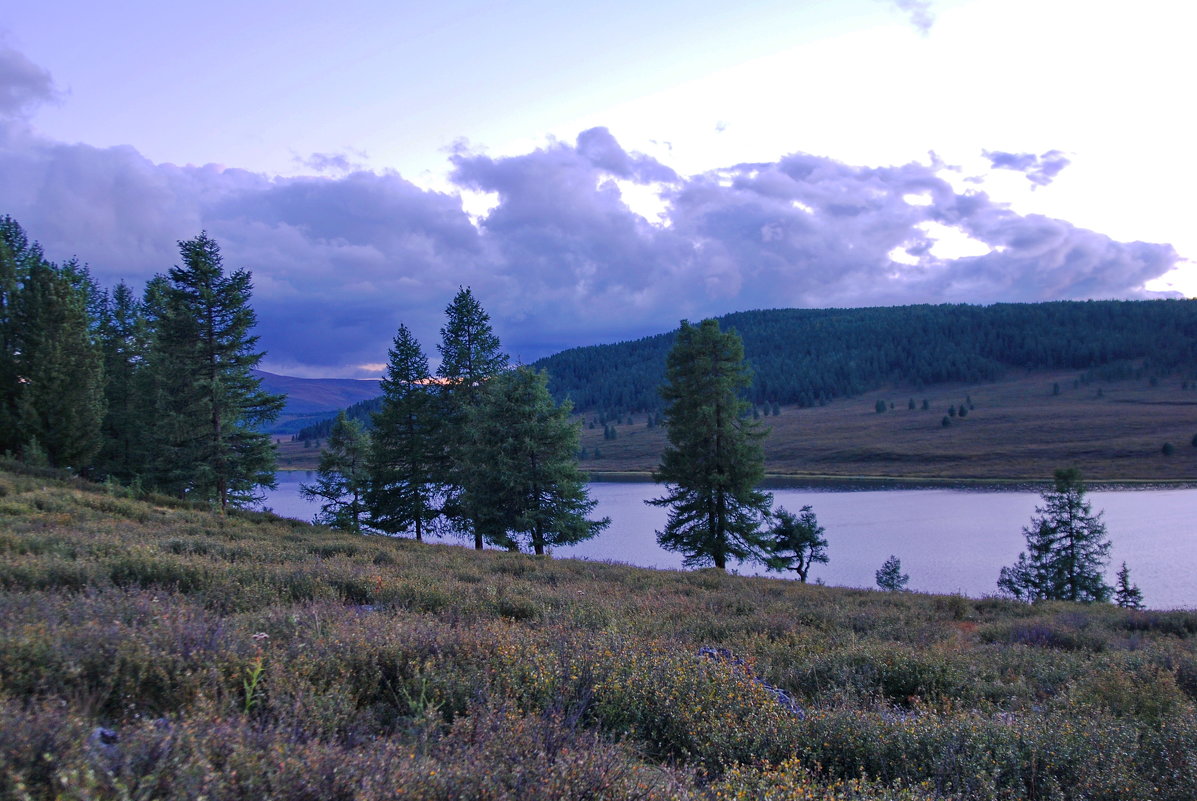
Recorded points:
(599, 171)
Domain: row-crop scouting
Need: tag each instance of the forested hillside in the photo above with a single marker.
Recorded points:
(810, 356)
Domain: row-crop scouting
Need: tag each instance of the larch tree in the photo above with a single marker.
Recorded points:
(342, 477)
(796, 542)
(61, 401)
(123, 341)
(211, 404)
(405, 454)
(890, 576)
(524, 487)
(1126, 594)
(1067, 549)
(470, 356)
(713, 463)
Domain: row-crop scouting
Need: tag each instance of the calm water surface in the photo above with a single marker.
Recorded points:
(949, 540)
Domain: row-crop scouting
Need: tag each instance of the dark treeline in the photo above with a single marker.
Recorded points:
(810, 356)
(155, 391)
(362, 412)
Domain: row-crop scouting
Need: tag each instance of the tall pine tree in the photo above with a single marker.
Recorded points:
(714, 461)
(209, 404)
(405, 454)
(524, 486)
(470, 356)
(15, 255)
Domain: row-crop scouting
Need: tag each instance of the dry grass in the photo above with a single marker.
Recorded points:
(1018, 430)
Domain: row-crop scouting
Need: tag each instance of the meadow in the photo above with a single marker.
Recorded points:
(151, 649)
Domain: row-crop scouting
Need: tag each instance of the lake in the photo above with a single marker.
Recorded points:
(949, 540)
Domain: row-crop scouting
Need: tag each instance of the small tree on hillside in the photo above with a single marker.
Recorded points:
(797, 542)
(1127, 595)
(342, 477)
(1066, 551)
(890, 577)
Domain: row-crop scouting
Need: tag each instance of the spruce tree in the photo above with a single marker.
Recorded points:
(405, 454)
(714, 461)
(211, 404)
(470, 356)
(1066, 551)
(524, 485)
(342, 477)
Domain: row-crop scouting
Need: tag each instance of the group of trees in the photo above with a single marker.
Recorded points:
(713, 465)
(479, 449)
(157, 391)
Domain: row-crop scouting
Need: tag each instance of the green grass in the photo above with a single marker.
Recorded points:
(153, 650)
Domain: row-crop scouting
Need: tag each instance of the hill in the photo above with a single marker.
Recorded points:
(153, 650)
(808, 357)
(312, 399)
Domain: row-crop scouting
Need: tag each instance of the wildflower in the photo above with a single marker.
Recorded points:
(261, 635)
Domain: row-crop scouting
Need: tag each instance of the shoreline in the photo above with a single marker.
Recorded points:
(865, 482)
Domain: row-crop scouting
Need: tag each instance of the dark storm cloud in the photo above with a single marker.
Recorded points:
(561, 259)
(1039, 170)
(23, 84)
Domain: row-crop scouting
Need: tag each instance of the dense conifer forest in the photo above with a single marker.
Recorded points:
(807, 357)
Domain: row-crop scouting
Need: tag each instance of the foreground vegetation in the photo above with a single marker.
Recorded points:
(149, 649)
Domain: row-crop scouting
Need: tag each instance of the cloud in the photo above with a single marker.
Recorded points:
(23, 84)
(918, 12)
(333, 163)
(561, 259)
(1039, 170)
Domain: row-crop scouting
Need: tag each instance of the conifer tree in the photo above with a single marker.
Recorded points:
(1127, 595)
(405, 454)
(796, 542)
(524, 485)
(122, 339)
(342, 477)
(210, 403)
(714, 461)
(470, 356)
(16, 253)
(1066, 551)
(890, 577)
(61, 399)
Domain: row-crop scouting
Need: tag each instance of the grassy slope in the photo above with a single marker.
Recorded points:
(387, 668)
(1017, 431)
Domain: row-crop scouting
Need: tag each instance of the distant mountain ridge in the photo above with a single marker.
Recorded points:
(310, 400)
